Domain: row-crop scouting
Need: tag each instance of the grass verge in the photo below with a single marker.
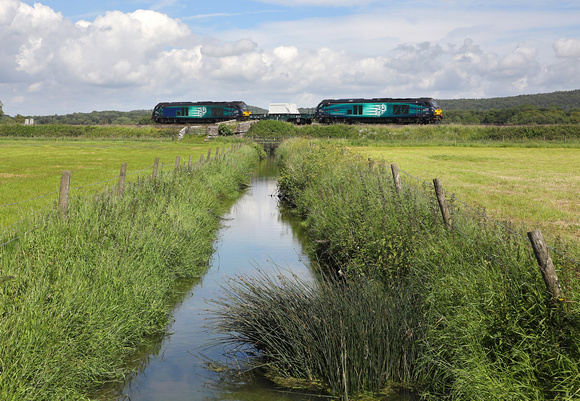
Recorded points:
(78, 295)
(463, 312)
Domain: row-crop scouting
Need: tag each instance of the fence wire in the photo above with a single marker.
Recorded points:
(483, 215)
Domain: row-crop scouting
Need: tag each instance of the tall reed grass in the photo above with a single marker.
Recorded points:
(468, 315)
(78, 295)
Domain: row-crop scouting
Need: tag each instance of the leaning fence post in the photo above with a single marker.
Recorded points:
(208, 154)
(177, 162)
(217, 152)
(190, 162)
(155, 167)
(545, 262)
(396, 177)
(122, 177)
(63, 195)
(201, 160)
(442, 203)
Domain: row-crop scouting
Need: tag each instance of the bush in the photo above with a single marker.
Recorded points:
(225, 130)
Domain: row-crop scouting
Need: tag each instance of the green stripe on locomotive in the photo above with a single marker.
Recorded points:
(374, 110)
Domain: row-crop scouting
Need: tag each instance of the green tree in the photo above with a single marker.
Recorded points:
(1, 111)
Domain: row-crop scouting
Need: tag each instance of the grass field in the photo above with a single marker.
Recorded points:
(536, 187)
(32, 167)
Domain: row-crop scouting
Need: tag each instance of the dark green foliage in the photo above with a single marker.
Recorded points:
(564, 100)
(85, 131)
(225, 130)
(475, 321)
(272, 128)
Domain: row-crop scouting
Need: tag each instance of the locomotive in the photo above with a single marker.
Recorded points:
(383, 110)
(200, 112)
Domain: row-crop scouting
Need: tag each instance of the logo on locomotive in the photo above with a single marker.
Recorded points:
(198, 111)
(378, 110)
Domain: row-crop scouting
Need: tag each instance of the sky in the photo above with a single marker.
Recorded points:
(63, 56)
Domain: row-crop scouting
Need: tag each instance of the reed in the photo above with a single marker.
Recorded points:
(471, 316)
(78, 295)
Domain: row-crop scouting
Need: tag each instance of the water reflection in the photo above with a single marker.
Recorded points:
(254, 234)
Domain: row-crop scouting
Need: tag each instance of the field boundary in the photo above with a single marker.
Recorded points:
(60, 202)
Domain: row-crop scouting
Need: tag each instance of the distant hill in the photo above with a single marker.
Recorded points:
(565, 100)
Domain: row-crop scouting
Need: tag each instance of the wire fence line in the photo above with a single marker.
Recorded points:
(12, 229)
(5, 231)
(486, 217)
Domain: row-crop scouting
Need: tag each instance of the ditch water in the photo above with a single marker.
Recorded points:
(256, 234)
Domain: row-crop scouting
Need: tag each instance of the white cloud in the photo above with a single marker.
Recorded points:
(133, 60)
(567, 48)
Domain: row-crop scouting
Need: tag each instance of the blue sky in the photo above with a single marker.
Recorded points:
(60, 57)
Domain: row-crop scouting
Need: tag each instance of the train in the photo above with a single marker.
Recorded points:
(380, 110)
(199, 112)
(423, 110)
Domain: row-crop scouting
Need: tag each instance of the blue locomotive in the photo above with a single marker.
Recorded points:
(200, 112)
(384, 110)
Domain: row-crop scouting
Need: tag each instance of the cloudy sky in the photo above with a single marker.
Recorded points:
(63, 56)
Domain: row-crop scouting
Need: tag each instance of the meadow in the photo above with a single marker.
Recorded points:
(31, 167)
(531, 187)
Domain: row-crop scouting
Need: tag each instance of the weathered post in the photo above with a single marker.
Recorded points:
(177, 162)
(190, 162)
(217, 152)
(396, 177)
(122, 177)
(546, 266)
(201, 160)
(442, 203)
(208, 154)
(155, 167)
(371, 164)
(63, 195)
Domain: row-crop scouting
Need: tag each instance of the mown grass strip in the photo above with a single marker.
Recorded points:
(77, 295)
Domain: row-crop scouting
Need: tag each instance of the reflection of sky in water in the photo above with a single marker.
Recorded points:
(254, 236)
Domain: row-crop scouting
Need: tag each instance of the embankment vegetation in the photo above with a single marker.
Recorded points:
(458, 313)
(431, 135)
(79, 294)
(87, 131)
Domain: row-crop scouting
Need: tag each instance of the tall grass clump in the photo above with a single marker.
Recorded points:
(78, 295)
(473, 317)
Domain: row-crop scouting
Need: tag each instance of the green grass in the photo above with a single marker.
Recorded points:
(533, 187)
(77, 296)
(32, 167)
(470, 315)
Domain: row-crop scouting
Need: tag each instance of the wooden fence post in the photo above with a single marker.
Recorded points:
(63, 195)
(201, 160)
(155, 167)
(190, 162)
(396, 177)
(208, 154)
(546, 266)
(177, 162)
(371, 164)
(442, 203)
(217, 152)
(122, 176)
